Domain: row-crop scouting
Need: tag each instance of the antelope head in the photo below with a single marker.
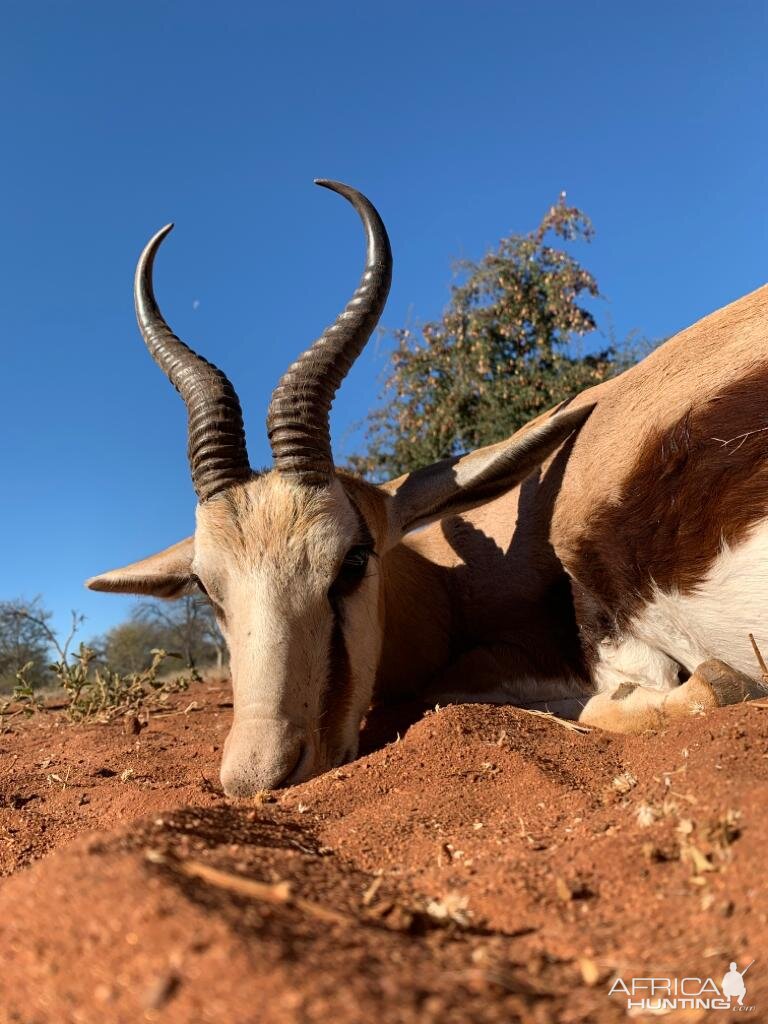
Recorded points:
(290, 558)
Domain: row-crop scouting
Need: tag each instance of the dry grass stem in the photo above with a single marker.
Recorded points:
(571, 726)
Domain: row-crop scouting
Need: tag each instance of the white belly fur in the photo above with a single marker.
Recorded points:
(713, 622)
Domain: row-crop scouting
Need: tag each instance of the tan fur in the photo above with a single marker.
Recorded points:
(511, 550)
(502, 592)
(685, 373)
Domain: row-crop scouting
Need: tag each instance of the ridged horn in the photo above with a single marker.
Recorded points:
(216, 448)
(298, 418)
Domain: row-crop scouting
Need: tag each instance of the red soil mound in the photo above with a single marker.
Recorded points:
(491, 865)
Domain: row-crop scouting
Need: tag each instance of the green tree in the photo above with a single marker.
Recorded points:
(128, 647)
(186, 626)
(24, 639)
(505, 350)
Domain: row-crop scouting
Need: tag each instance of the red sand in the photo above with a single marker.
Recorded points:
(557, 859)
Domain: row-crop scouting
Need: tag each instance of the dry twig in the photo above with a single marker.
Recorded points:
(267, 892)
(572, 726)
(760, 659)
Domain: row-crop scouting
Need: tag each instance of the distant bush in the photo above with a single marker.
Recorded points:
(187, 626)
(24, 642)
(92, 691)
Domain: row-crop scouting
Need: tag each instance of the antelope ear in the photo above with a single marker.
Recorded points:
(458, 485)
(166, 574)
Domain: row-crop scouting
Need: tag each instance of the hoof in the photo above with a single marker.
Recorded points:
(726, 685)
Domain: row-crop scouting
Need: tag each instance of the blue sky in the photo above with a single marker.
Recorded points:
(461, 120)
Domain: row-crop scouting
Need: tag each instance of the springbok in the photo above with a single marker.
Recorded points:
(632, 553)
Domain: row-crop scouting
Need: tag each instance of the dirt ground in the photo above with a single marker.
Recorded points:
(483, 864)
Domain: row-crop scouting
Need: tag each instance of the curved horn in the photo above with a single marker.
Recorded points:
(297, 421)
(216, 448)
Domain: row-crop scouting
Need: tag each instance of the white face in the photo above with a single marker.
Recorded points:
(294, 576)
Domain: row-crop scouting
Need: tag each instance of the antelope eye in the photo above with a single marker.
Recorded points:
(356, 559)
(352, 569)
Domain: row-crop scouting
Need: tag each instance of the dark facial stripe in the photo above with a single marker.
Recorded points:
(364, 537)
(339, 690)
(337, 698)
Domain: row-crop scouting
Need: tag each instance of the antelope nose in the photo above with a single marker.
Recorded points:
(263, 755)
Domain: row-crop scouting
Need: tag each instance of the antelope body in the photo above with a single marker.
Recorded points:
(607, 562)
